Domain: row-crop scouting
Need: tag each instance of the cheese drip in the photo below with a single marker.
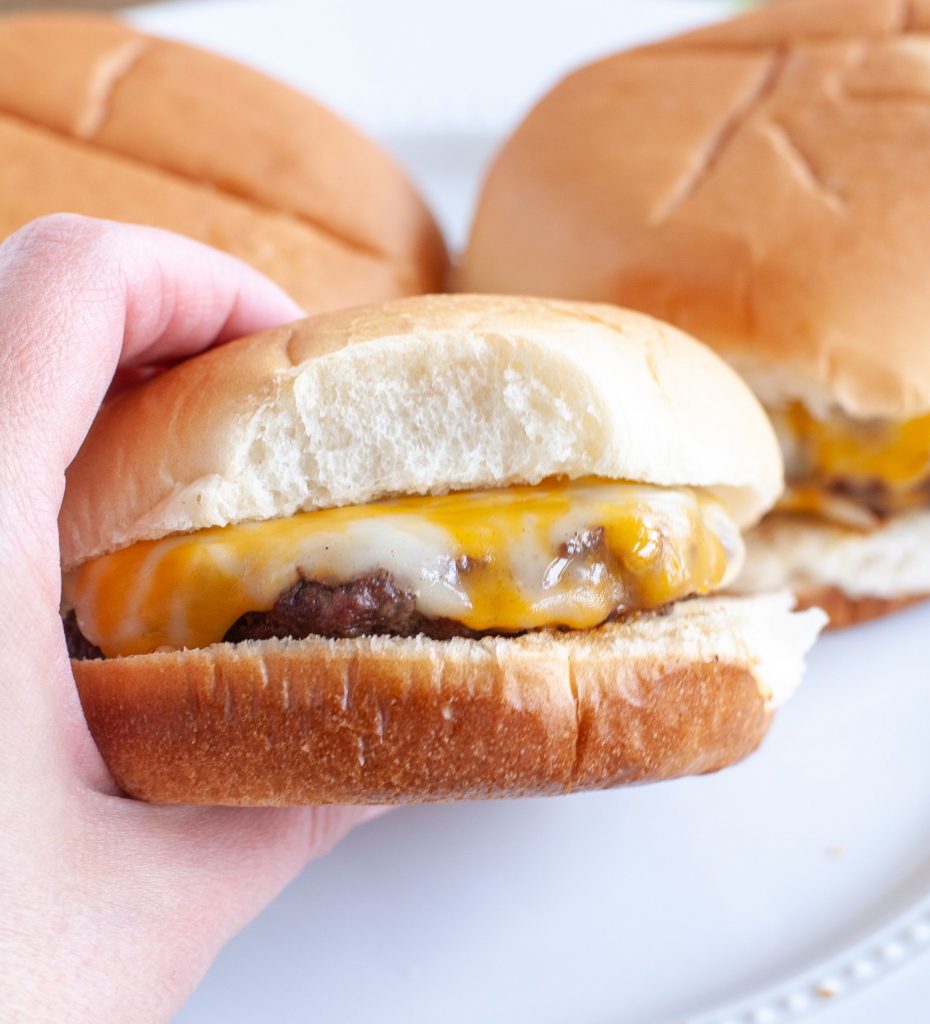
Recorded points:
(853, 472)
(566, 554)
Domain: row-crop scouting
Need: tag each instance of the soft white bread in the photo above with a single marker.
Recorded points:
(762, 183)
(383, 719)
(419, 396)
(853, 575)
(99, 119)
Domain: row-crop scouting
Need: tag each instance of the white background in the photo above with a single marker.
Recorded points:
(648, 905)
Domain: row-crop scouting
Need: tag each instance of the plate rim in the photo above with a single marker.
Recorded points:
(903, 940)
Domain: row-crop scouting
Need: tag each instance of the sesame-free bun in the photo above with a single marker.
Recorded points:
(762, 183)
(843, 610)
(97, 118)
(387, 719)
(853, 575)
(418, 396)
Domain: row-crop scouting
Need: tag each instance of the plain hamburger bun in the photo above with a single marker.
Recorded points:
(99, 119)
(426, 396)
(418, 396)
(761, 183)
(852, 575)
(844, 611)
(387, 719)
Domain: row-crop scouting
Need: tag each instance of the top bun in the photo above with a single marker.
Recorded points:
(763, 183)
(420, 396)
(101, 120)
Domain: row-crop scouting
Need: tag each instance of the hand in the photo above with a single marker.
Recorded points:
(110, 909)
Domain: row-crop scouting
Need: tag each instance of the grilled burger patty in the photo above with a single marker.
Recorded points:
(369, 605)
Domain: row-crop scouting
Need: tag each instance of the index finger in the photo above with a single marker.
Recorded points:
(80, 297)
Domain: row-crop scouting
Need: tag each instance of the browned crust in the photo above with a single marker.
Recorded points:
(845, 610)
(717, 181)
(388, 721)
(42, 173)
(102, 120)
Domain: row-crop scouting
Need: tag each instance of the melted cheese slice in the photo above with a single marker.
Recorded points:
(895, 454)
(562, 554)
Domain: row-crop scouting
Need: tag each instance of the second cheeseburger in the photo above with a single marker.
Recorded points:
(447, 547)
(761, 183)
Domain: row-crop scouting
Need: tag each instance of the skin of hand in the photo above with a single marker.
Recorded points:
(110, 909)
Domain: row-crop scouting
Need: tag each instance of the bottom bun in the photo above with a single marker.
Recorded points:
(853, 575)
(391, 720)
(843, 610)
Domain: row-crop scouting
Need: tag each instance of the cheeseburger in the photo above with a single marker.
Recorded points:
(763, 184)
(99, 119)
(447, 547)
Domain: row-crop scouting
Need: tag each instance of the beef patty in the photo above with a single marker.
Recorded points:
(367, 606)
(370, 605)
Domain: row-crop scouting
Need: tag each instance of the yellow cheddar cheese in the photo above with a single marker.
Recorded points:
(853, 473)
(564, 554)
(896, 454)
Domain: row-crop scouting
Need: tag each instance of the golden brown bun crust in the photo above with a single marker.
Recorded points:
(844, 610)
(760, 183)
(318, 721)
(99, 119)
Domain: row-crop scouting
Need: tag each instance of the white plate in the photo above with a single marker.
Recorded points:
(764, 883)
(775, 889)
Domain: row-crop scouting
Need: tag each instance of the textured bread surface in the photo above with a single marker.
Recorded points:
(99, 119)
(806, 554)
(383, 720)
(419, 396)
(762, 183)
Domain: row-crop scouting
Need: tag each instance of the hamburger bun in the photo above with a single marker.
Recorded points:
(100, 119)
(428, 396)
(853, 575)
(843, 610)
(397, 719)
(761, 183)
(418, 396)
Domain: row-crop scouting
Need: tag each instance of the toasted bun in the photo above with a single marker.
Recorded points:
(102, 120)
(761, 183)
(419, 396)
(852, 575)
(383, 719)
